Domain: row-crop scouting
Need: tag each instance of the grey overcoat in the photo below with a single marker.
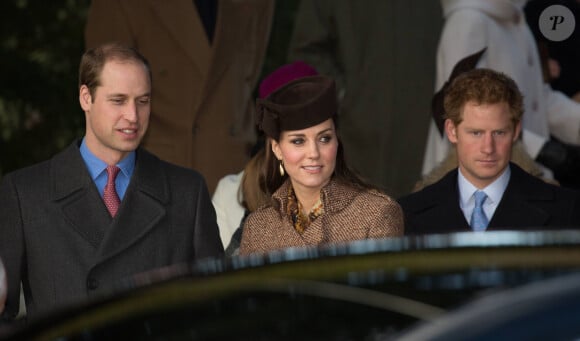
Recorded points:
(58, 238)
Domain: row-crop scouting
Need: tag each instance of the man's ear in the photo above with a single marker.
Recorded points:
(85, 98)
(451, 130)
(517, 131)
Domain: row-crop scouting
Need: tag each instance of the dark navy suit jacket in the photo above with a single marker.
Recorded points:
(528, 203)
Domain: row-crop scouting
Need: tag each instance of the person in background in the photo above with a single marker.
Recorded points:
(551, 120)
(381, 55)
(316, 199)
(519, 156)
(483, 113)
(206, 57)
(254, 194)
(228, 198)
(103, 209)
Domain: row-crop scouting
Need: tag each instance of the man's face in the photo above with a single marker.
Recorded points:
(118, 115)
(484, 141)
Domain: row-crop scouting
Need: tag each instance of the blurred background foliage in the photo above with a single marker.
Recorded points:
(40, 46)
(41, 43)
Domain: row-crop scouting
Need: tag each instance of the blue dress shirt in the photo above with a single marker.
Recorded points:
(97, 170)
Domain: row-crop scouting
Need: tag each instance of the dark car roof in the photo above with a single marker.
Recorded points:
(372, 289)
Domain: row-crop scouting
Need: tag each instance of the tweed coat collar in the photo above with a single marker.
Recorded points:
(334, 196)
(141, 209)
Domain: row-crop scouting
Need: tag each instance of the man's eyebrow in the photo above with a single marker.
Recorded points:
(147, 94)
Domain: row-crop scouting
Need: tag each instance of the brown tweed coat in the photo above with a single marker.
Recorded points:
(349, 214)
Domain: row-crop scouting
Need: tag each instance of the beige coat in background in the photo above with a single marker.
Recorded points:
(202, 103)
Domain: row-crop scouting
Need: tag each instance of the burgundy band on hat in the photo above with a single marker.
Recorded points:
(283, 75)
(302, 103)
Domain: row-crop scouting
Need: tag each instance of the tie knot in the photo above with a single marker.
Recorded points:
(480, 197)
(112, 172)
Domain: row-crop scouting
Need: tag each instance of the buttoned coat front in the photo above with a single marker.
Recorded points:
(349, 214)
(58, 238)
(202, 113)
(528, 203)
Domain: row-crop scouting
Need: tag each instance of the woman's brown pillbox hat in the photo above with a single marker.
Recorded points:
(302, 103)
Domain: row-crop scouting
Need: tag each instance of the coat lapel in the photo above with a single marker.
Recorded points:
(181, 19)
(75, 192)
(237, 27)
(141, 209)
(224, 39)
(439, 211)
(515, 212)
(448, 214)
(515, 209)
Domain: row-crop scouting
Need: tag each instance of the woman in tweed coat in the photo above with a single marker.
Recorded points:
(316, 199)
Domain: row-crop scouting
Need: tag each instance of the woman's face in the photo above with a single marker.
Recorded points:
(309, 155)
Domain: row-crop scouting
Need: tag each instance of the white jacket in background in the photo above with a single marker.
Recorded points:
(500, 25)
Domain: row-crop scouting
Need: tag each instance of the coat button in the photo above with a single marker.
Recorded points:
(92, 283)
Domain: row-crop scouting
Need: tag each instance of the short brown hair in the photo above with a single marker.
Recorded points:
(483, 86)
(93, 61)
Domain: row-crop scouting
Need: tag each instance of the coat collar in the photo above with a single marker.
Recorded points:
(181, 20)
(143, 207)
(440, 202)
(334, 196)
(187, 29)
(73, 190)
(69, 165)
(516, 205)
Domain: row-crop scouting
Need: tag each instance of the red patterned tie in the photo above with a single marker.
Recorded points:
(110, 196)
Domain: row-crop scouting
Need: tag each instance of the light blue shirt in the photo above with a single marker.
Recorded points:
(494, 192)
(98, 170)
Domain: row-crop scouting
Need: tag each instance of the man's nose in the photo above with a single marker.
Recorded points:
(488, 144)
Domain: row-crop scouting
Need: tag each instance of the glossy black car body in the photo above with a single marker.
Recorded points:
(367, 290)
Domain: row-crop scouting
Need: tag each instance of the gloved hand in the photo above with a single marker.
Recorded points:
(564, 160)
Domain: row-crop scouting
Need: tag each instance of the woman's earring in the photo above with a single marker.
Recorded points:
(281, 168)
